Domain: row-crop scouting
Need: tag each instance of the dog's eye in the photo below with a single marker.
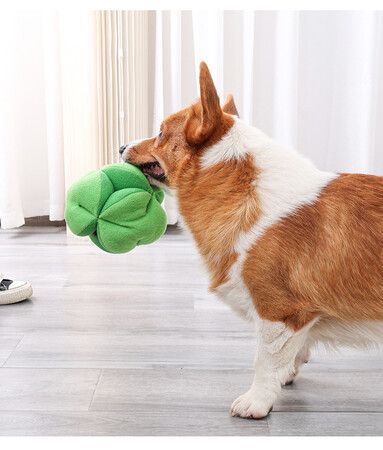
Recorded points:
(160, 134)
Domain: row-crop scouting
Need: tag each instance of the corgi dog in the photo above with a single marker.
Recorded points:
(293, 249)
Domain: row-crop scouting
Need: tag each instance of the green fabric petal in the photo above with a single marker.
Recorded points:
(132, 202)
(85, 200)
(126, 176)
(159, 193)
(117, 207)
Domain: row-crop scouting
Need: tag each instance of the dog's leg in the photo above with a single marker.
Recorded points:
(277, 348)
(302, 357)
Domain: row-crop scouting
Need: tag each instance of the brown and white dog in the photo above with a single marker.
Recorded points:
(296, 250)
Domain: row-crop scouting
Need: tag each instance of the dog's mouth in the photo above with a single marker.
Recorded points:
(154, 170)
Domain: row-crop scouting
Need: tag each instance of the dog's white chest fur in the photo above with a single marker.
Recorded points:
(236, 295)
(285, 182)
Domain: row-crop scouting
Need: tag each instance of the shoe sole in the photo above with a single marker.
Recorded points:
(16, 295)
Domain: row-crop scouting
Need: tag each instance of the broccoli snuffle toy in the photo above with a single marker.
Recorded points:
(117, 208)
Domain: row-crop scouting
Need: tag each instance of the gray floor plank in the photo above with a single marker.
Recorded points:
(8, 344)
(352, 382)
(47, 389)
(325, 424)
(132, 421)
(134, 350)
(169, 386)
(28, 317)
(345, 390)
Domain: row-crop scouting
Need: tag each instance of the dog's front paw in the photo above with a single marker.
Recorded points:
(251, 405)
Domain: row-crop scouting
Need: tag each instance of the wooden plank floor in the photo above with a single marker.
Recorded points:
(134, 345)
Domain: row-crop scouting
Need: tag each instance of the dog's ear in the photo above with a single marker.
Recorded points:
(206, 116)
(229, 106)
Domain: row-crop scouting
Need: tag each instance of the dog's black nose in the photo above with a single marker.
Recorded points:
(122, 149)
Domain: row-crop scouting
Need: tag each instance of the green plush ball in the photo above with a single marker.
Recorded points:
(117, 208)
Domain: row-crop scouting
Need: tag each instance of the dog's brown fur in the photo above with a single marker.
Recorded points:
(206, 199)
(326, 258)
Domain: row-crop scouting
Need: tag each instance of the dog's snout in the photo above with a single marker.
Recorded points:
(122, 149)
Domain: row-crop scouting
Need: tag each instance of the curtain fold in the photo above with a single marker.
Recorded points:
(121, 80)
(53, 114)
(11, 213)
(80, 99)
(75, 86)
(21, 112)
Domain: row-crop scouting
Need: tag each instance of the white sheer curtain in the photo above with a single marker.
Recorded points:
(10, 210)
(75, 84)
(73, 88)
(46, 92)
(313, 79)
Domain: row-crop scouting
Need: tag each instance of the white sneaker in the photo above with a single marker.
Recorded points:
(14, 291)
